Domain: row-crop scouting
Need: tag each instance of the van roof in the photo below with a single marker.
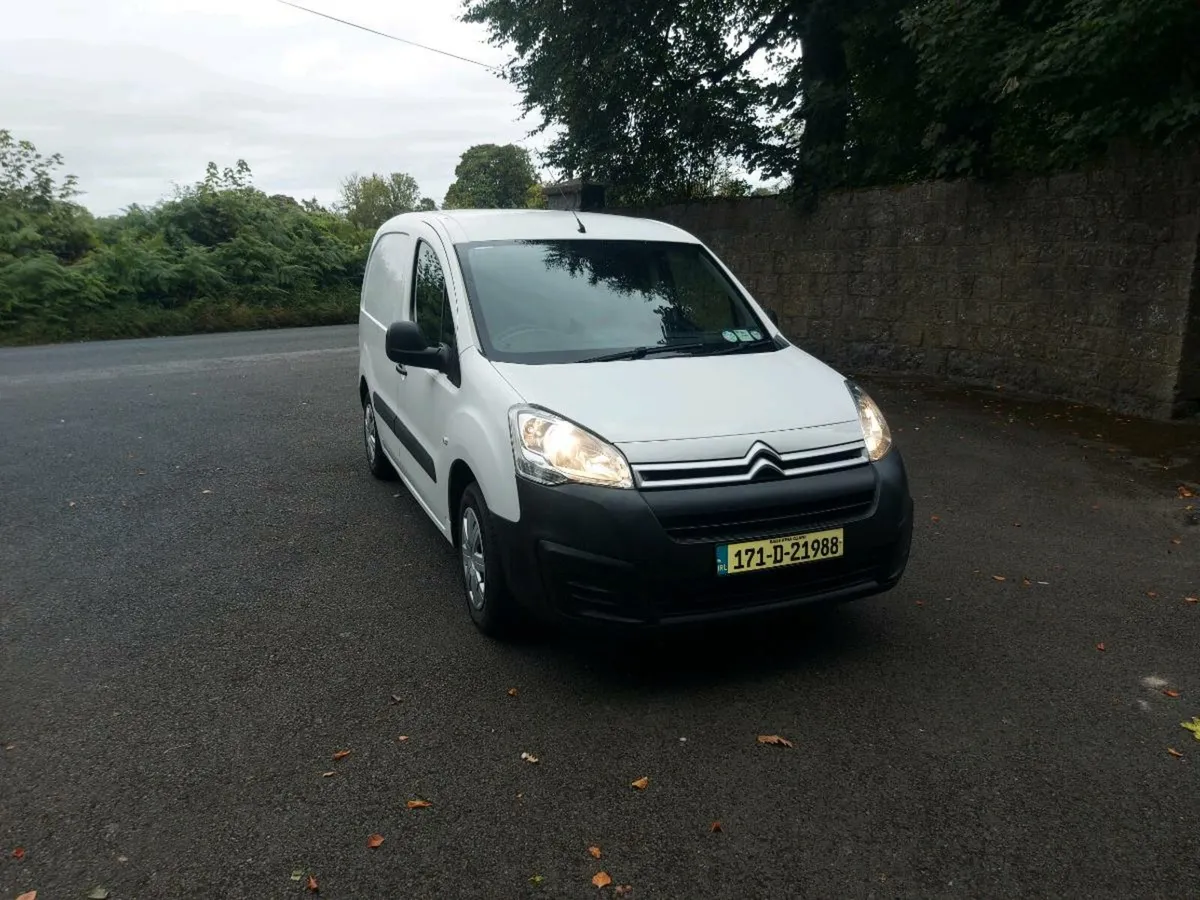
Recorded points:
(466, 225)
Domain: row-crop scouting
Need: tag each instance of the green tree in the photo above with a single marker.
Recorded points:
(844, 92)
(370, 200)
(492, 176)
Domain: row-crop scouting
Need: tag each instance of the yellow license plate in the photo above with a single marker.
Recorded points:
(751, 556)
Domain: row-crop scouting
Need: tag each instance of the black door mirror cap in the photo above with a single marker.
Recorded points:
(407, 345)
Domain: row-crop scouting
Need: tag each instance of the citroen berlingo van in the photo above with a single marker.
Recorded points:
(606, 426)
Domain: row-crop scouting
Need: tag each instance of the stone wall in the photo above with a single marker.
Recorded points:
(1082, 286)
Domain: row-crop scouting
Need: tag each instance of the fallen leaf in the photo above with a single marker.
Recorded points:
(641, 783)
(715, 827)
(1151, 594)
(512, 692)
(999, 578)
(341, 754)
(935, 519)
(122, 859)
(18, 853)
(396, 698)
(920, 603)
(1193, 726)
(328, 774)
(206, 491)
(402, 738)
(1175, 753)
(70, 503)
(775, 740)
(536, 879)
(1176, 541)
(313, 887)
(601, 879)
(297, 874)
(98, 893)
(141, 471)
(1171, 694)
(28, 895)
(1100, 646)
(1016, 524)
(595, 851)
(1185, 492)
(622, 890)
(529, 758)
(1025, 582)
(418, 804)
(374, 841)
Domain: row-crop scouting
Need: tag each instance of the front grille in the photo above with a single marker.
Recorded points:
(760, 463)
(734, 592)
(723, 525)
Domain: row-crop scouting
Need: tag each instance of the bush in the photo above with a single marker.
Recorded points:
(220, 255)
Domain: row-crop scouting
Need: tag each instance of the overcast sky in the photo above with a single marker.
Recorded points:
(139, 94)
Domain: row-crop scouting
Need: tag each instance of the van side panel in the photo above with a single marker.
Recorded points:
(478, 434)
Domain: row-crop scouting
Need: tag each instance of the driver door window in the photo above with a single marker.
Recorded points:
(431, 301)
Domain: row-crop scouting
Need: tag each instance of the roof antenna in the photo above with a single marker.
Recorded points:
(582, 230)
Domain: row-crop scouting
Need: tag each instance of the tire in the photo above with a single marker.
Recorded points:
(377, 462)
(490, 603)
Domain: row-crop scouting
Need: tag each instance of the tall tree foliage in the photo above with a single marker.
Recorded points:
(370, 200)
(492, 176)
(647, 93)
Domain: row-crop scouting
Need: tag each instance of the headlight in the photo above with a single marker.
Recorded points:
(550, 450)
(875, 428)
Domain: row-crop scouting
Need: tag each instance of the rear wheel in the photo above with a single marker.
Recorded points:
(490, 603)
(376, 461)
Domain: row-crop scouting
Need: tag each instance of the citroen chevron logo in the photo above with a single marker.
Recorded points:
(761, 457)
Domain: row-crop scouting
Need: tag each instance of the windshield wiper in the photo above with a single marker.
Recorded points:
(740, 347)
(640, 352)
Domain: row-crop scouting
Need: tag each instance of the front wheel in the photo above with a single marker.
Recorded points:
(376, 461)
(489, 602)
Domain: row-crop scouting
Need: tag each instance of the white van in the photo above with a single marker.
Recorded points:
(608, 428)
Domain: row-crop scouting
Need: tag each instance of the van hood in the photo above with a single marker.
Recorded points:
(682, 397)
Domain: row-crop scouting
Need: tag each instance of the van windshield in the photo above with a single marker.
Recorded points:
(561, 301)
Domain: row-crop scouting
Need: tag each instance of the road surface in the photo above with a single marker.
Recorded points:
(204, 596)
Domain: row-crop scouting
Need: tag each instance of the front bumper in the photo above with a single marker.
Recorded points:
(647, 558)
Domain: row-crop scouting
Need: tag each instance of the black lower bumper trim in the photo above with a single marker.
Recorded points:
(583, 553)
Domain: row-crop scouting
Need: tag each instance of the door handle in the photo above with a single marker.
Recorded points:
(401, 369)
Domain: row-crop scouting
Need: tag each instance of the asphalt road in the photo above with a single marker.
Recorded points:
(204, 595)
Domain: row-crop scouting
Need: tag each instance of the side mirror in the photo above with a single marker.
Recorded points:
(407, 345)
(774, 315)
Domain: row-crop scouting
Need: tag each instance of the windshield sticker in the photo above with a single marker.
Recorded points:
(730, 336)
(756, 334)
(743, 334)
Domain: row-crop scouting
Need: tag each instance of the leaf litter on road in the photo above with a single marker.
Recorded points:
(775, 740)
(642, 783)
(375, 840)
(512, 692)
(28, 895)
(529, 758)
(98, 893)
(340, 754)
(1192, 726)
(311, 884)
(1175, 753)
(595, 851)
(715, 827)
(1171, 694)
(601, 879)
(418, 804)
(18, 853)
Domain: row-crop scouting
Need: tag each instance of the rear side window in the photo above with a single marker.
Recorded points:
(431, 301)
(387, 271)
